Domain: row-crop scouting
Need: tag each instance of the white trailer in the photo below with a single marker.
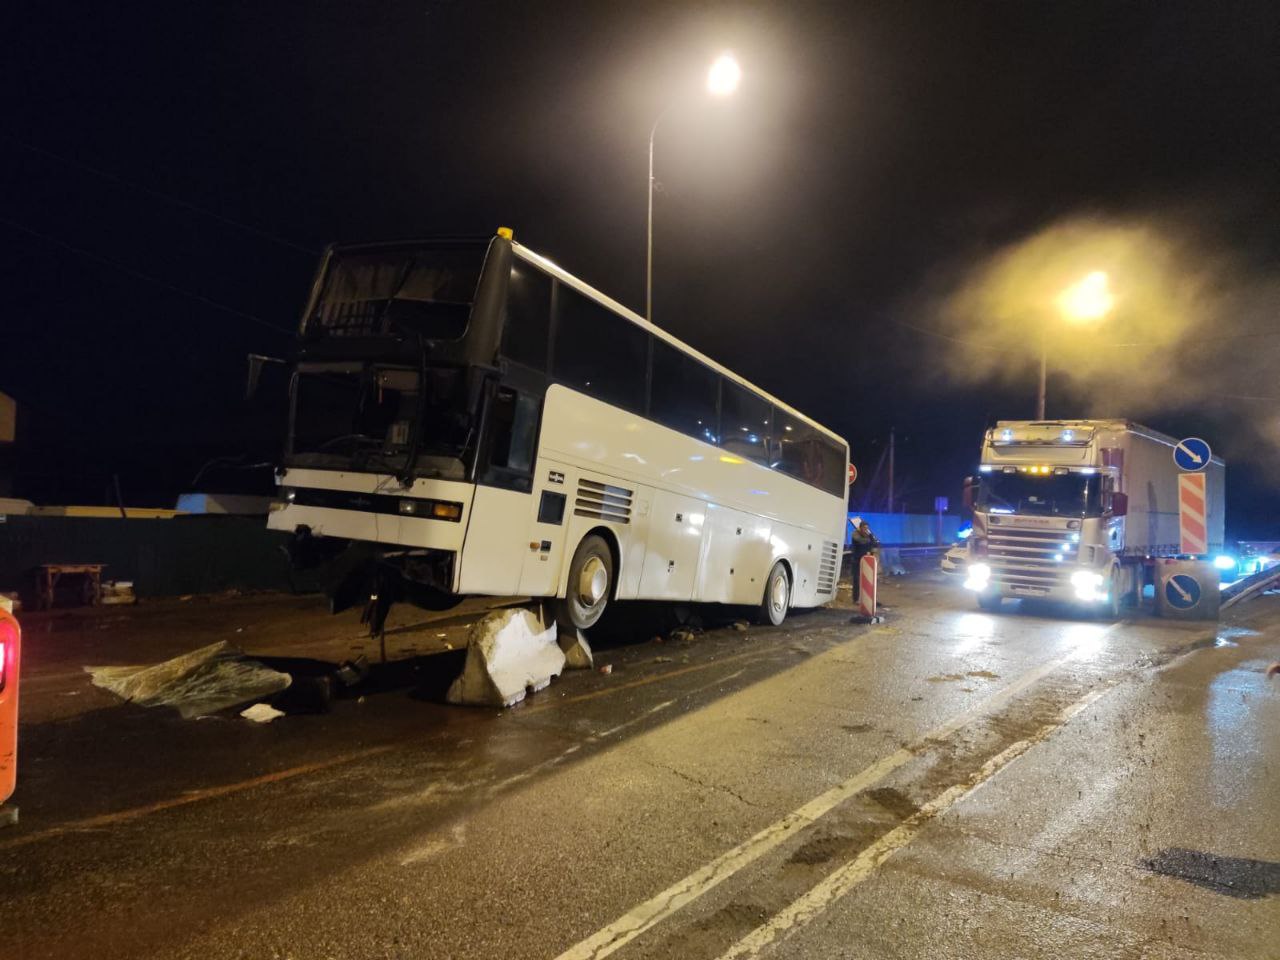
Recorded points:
(1075, 510)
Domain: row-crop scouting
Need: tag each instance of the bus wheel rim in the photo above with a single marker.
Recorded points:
(592, 582)
(778, 592)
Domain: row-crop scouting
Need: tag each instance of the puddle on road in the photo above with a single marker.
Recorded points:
(1236, 877)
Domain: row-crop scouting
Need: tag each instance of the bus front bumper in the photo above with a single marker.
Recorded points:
(432, 514)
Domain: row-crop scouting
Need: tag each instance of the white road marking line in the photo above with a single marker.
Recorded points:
(839, 882)
(680, 894)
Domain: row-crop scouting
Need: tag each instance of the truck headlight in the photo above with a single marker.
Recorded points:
(1088, 585)
(979, 575)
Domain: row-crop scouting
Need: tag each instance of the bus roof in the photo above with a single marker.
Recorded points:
(524, 253)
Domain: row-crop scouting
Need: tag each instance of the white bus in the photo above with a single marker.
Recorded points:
(497, 427)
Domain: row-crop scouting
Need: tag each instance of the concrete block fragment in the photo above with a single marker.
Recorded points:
(577, 652)
(509, 653)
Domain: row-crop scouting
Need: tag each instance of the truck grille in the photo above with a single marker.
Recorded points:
(1029, 557)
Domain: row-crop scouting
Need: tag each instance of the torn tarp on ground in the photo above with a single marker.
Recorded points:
(198, 683)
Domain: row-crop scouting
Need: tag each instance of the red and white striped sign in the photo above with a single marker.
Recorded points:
(1191, 513)
(867, 586)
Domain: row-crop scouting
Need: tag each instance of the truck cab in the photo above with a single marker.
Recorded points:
(1049, 515)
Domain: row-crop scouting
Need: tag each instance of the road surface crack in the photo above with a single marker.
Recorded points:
(704, 784)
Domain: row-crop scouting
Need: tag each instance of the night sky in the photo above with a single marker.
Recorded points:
(170, 174)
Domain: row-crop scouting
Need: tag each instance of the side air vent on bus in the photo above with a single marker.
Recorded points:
(602, 502)
(828, 567)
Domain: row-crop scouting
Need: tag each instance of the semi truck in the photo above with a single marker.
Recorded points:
(1078, 511)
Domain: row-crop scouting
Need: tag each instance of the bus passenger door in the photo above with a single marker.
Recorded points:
(674, 545)
(503, 508)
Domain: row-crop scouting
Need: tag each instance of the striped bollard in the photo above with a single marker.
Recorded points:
(867, 586)
(1192, 514)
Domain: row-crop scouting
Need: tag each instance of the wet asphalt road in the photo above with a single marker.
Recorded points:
(946, 784)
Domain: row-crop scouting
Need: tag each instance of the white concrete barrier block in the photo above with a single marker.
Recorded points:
(577, 652)
(509, 653)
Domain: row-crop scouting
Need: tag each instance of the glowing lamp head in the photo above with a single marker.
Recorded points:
(1087, 299)
(724, 76)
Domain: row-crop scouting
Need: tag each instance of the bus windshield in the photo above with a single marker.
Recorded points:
(1052, 495)
(363, 417)
(425, 291)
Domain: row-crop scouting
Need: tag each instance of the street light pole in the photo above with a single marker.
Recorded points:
(1044, 366)
(722, 80)
(648, 261)
(1089, 299)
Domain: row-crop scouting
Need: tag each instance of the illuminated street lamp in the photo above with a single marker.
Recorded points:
(1087, 299)
(722, 80)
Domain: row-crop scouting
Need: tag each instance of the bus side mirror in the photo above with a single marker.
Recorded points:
(1119, 504)
(256, 363)
(970, 492)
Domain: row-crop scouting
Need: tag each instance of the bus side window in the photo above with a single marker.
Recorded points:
(795, 449)
(600, 353)
(526, 330)
(744, 422)
(684, 393)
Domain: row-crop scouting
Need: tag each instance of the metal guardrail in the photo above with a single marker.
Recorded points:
(1251, 586)
(911, 549)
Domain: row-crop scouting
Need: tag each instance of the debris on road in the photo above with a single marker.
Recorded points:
(607, 669)
(740, 626)
(353, 671)
(196, 684)
(261, 713)
(509, 653)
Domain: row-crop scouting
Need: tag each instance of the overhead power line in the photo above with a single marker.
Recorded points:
(207, 301)
(166, 197)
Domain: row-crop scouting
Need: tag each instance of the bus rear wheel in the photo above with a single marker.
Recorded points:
(590, 584)
(777, 596)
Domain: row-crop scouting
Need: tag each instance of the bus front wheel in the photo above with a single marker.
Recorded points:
(590, 584)
(777, 596)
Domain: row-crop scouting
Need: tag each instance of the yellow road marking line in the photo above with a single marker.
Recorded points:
(840, 881)
(653, 911)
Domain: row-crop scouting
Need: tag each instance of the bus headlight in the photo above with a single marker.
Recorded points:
(979, 576)
(1088, 585)
(435, 509)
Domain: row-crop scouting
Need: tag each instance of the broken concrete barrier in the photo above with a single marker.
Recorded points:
(509, 653)
(577, 652)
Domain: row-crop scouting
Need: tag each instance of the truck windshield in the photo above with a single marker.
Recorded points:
(1052, 495)
(361, 417)
(424, 291)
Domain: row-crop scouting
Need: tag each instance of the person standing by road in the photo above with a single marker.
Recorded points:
(864, 542)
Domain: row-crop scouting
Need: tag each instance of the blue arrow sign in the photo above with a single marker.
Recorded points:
(1182, 591)
(1192, 454)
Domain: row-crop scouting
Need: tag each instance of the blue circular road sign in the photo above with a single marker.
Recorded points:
(1182, 591)
(1192, 454)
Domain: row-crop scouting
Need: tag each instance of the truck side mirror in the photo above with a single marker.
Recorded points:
(1119, 504)
(970, 492)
